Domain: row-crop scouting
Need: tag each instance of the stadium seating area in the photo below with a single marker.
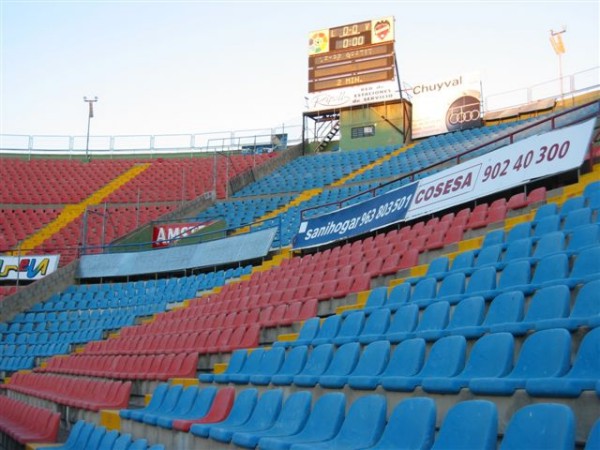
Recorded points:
(474, 328)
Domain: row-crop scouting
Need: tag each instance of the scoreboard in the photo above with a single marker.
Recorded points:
(351, 55)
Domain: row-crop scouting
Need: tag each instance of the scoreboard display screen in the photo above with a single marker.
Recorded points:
(353, 54)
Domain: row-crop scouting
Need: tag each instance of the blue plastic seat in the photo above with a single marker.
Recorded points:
(586, 266)
(547, 224)
(463, 262)
(572, 204)
(469, 425)
(468, 313)
(582, 376)
(123, 442)
(242, 409)
(318, 361)
(343, 362)
(518, 232)
(351, 326)
(376, 299)
(515, 251)
(482, 282)
(269, 365)
(425, 289)
(549, 244)
(398, 296)
(375, 326)
(236, 362)
(446, 359)
(534, 361)
(583, 237)
(548, 303)
(410, 426)
(585, 312)
(491, 356)
(263, 417)
(371, 363)
(488, 256)
(173, 409)
(494, 237)
(95, 438)
(323, 423)
(295, 361)
(577, 218)
(108, 440)
(198, 408)
(155, 401)
(433, 321)
(362, 426)
(250, 367)
(548, 426)
(436, 268)
(406, 360)
(139, 444)
(551, 270)
(307, 333)
(329, 329)
(451, 289)
(292, 418)
(514, 276)
(593, 439)
(403, 323)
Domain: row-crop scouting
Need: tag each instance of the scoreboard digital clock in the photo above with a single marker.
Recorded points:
(350, 55)
(354, 35)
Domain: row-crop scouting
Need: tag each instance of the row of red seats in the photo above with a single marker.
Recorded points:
(216, 340)
(26, 423)
(283, 314)
(83, 393)
(133, 367)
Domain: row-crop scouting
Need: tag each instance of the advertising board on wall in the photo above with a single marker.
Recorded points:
(27, 267)
(534, 157)
(447, 105)
(167, 234)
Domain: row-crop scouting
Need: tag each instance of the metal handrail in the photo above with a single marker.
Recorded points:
(457, 157)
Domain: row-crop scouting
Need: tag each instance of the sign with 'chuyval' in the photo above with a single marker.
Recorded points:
(534, 157)
(166, 234)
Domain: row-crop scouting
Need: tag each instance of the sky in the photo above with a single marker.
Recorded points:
(181, 67)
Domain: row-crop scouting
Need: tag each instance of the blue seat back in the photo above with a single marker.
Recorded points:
(587, 304)
(399, 295)
(424, 289)
(492, 355)
(344, 359)
(549, 303)
(587, 263)
(266, 410)
(469, 425)
(587, 361)
(405, 319)
(483, 279)
(377, 322)
(468, 312)
(374, 359)
(407, 359)
(536, 361)
(271, 361)
(295, 361)
(463, 261)
(123, 442)
(547, 224)
(585, 236)
(507, 307)
(364, 423)
(551, 268)
(108, 441)
(593, 439)
(549, 244)
(329, 329)
(319, 359)
(377, 297)
(452, 284)
(488, 256)
(518, 232)
(253, 362)
(352, 325)
(550, 426)
(434, 317)
(446, 357)
(411, 425)
(516, 273)
(171, 398)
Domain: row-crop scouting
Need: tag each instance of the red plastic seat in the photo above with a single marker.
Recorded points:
(219, 410)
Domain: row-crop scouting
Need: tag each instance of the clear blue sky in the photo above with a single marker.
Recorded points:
(198, 66)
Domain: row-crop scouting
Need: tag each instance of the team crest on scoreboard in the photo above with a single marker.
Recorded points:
(383, 30)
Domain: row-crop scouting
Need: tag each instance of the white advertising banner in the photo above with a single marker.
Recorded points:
(29, 267)
(537, 156)
(446, 105)
(351, 96)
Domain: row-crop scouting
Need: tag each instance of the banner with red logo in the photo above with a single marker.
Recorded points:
(166, 234)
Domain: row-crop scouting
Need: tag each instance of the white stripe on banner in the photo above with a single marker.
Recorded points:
(537, 156)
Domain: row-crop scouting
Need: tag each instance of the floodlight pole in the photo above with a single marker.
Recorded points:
(559, 49)
(90, 102)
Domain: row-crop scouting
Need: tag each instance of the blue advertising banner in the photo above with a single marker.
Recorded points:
(357, 219)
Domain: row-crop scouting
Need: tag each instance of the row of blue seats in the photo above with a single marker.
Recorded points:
(86, 435)
(271, 421)
(47, 349)
(71, 337)
(19, 333)
(526, 275)
(14, 363)
(491, 368)
(549, 307)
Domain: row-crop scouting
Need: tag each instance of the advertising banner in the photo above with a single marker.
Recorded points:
(384, 91)
(28, 267)
(166, 234)
(537, 156)
(447, 105)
